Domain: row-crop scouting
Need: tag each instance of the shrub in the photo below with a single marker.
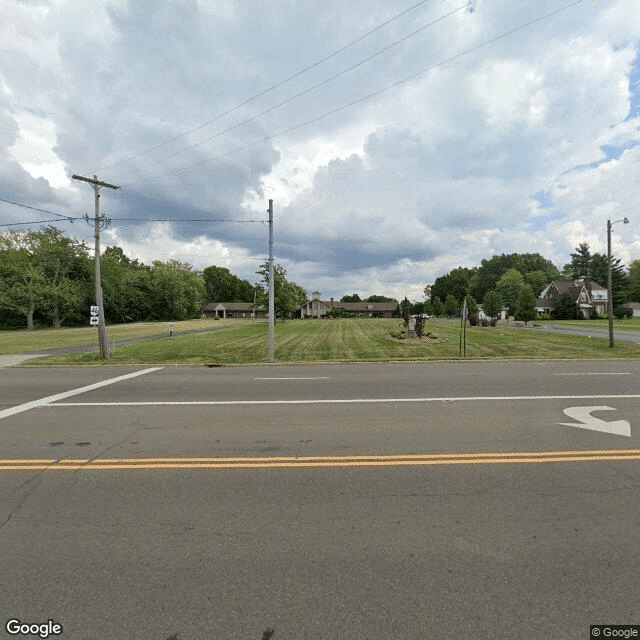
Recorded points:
(622, 312)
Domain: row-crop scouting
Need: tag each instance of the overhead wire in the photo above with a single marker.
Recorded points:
(299, 94)
(267, 90)
(342, 107)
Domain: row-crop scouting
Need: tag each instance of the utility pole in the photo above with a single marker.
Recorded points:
(98, 221)
(271, 357)
(610, 224)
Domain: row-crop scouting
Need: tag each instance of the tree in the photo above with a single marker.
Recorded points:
(509, 287)
(565, 307)
(352, 298)
(451, 306)
(44, 273)
(634, 281)
(127, 287)
(490, 271)
(526, 304)
(472, 305)
(455, 283)
(437, 307)
(492, 304)
(287, 296)
(619, 279)
(580, 264)
(224, 286)
(375, 298)
(177, 290)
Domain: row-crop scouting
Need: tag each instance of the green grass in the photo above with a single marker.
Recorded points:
(349, 340)
(24, 341)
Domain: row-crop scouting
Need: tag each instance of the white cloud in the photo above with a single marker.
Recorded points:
(382, 197)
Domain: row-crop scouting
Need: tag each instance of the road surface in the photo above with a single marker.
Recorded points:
(429, 500)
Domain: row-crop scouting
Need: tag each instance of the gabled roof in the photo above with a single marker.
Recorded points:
(228, 306)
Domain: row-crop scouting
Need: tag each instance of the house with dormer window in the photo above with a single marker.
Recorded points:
(589, 296)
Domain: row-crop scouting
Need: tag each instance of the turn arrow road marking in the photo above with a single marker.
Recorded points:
(587, 421)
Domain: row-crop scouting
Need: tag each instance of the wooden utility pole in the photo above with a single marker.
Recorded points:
(271, 357)
(98, 221)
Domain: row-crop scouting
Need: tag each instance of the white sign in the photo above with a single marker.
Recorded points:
(587, 421)
(93, 320)
(94, 310)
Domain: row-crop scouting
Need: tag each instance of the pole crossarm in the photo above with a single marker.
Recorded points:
(95, 182)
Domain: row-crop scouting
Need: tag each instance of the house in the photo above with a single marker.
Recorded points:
(234, 310)
(635, 307)
(317, 308)
(589, 296)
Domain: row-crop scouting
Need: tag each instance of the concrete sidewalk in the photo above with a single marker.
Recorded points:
(17, 358)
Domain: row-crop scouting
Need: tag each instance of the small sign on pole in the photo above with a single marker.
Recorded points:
(93, 321)
(94, 310)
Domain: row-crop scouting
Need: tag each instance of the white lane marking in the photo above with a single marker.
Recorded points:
(66, 394)
(593, 374)
(587, 421)
(334, 401)
(315, 378)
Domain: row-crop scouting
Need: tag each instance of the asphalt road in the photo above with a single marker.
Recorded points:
(430, 500)
(618, 334)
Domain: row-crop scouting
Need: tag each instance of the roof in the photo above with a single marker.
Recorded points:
(367, 306)
(229, 306)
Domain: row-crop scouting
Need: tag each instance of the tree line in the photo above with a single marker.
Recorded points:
(516, 281)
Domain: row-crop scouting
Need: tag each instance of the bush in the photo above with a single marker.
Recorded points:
(622, 312)
(595, 315)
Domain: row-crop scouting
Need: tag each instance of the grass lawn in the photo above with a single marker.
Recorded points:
(349, 340)
(24, 341)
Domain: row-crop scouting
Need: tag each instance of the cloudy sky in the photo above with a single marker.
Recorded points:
(398, 139)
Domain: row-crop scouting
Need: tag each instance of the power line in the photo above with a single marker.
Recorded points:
(14, 224)
(265, 91)
(26, 206)
(366, 97)
(182, 220)
(301, 93)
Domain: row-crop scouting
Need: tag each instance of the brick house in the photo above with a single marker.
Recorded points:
(589, 296)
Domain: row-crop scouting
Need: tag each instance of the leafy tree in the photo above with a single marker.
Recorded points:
(375, 298)
(224, 286)
(509, 287)
(287, 296)
(565, 307)
(492, 304)
(127, 287)
(472, 305)
(451, 306)
(490, 271)
(526, 304)
(352, 298)
(455, 283)
(537, 280)
(437, 307)
(177, 290)
(43, 272)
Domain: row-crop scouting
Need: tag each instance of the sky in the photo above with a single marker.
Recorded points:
(397, 139)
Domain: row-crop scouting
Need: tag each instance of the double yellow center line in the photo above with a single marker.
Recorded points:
(286, 462)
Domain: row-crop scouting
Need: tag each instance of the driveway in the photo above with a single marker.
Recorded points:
(594, 332)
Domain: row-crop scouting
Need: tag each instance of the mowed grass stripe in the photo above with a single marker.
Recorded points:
(353, 340)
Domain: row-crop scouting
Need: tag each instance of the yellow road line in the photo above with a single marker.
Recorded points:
(112, 464)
